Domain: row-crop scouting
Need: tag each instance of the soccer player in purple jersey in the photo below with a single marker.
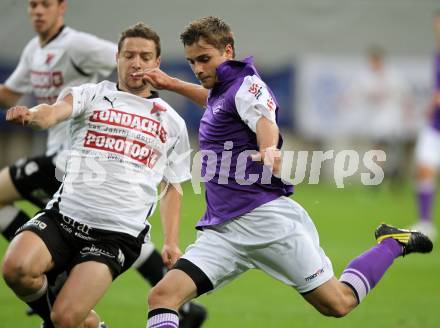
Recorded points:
(428, 152)
(249, 221)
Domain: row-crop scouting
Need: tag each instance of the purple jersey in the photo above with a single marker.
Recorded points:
(237, 185)
(435, 121)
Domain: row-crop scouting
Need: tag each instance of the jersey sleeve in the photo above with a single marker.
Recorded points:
(177, 169)
(253, 100)
(82, 96)
(20, 79)
(93, 55)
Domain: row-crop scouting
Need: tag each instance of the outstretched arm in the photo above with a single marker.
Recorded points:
(170, 215)
(160, 80)
(42, 116)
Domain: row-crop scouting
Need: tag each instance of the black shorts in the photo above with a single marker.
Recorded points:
(71, 243)
(35, 179)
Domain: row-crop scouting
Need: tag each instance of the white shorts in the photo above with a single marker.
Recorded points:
(428, 147)
(278, 238)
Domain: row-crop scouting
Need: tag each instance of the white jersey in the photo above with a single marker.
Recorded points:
(71, 58)
(381, 99)
(123, 146)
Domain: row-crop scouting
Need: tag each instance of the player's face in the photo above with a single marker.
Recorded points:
(136, 55)
(46, 15)
(204, 60)
(376, 62)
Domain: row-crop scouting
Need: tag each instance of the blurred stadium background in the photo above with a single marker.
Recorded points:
(310, 54)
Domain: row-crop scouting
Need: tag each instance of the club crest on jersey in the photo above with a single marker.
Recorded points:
(218, 105)
(49, 58)
(157, 108)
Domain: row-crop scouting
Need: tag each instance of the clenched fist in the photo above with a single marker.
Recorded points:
(18, 115)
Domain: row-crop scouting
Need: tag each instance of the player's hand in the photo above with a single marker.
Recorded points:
(271, 157)
(170, 254)
(158, 79)
(18, 115)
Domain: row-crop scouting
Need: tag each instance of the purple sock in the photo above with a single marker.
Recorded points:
(425, 199)
(365, 271)
(163, 318)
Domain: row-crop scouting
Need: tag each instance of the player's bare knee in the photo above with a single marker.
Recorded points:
(338, 309)
(161, 296)
(15, 273)
(65, 318)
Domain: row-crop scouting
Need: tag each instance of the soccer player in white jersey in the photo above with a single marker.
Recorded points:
(427, 152)
(249, 222)
(60, 57)
(125, 141)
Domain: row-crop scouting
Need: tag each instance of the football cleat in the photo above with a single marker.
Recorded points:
(192, 315)
(412, 241)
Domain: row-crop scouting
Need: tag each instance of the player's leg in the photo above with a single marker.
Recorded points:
(283, 242)
(211, 262)
(365, 271)
(32, 179)
(295, 257)
(100, 256)
(25, 263)
(84, 287)
(11, 218)
(150, 265)
(165, 298)
(428, 161)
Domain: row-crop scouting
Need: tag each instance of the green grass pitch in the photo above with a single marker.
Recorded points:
(407, 296)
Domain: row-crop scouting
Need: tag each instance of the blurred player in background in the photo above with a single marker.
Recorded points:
(130, 141)
(250, 223)
(380, 99)
(57, 58)
(428, 152)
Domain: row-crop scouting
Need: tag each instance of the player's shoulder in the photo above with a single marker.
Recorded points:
(80, 40)
(172, 114)
(75, 34)
(96, 88)
(102, 87)
(251, 85)
(253, 79)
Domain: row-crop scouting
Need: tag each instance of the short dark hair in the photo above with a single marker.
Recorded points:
(212, 29)
(140, 30)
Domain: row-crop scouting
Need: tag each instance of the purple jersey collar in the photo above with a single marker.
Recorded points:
(232, 69)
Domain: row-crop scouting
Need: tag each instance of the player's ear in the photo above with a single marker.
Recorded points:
(158, 62)
(229, 52)
(62, 6)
